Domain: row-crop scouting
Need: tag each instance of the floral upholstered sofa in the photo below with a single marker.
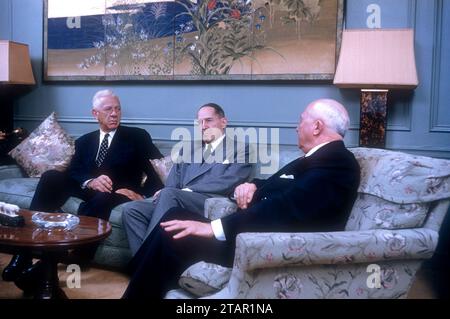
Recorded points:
(392, 229)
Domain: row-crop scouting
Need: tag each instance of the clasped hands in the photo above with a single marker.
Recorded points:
(104, 184)
(183, 228)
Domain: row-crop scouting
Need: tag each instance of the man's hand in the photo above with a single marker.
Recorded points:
(102, 184)
(184, 228)
(244, 194)
(129, 193)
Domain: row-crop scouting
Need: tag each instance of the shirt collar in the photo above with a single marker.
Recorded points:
(111, 135)
(315, 148)
(216, 142)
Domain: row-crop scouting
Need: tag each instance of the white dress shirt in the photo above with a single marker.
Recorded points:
(217, 224)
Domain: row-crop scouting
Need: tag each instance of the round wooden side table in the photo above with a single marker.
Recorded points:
(50, 245)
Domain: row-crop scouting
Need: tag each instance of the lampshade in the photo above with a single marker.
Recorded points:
(15, 64)
(377, 59)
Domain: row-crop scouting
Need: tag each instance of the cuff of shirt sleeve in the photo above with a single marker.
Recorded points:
(84, 185)
(218, 230)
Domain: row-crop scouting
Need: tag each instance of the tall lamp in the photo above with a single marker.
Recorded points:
(16, 77)
(376, 61)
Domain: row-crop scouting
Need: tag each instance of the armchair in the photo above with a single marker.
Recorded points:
(393, 227)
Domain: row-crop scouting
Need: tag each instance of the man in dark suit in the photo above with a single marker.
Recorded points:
(314, 193)
(105, 171)
(189, 182)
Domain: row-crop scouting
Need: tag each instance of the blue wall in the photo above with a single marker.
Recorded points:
(418, 123)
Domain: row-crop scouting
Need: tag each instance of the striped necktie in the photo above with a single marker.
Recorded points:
(103, 150)
(207, 152)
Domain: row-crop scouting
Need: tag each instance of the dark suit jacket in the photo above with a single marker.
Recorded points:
(319, 198)
(125, 162)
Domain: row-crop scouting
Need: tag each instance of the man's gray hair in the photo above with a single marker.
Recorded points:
(333, 114)
(101, 94)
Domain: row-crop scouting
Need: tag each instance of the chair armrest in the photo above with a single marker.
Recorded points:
(263, 250)
(10, 171)
(218, 207)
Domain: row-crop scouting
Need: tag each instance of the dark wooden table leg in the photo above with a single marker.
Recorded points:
(49, 288)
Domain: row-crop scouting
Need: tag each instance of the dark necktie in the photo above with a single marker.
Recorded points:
(207, 152)
(102, 152)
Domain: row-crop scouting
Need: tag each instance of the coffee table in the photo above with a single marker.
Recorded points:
(50, 245)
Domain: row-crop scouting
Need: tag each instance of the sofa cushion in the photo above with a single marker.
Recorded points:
(47, 147)
(18, 191)
(118, 237)
(203, 278)
(372, 212)
(11, 171)
(402, 178)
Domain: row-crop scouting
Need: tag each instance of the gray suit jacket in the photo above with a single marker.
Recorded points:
(229, 167)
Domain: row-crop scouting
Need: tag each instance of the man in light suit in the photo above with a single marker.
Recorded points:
(221, 168)
(313, 193)
(105, 171)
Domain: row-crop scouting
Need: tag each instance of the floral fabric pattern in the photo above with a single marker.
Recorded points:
(47, 147)
(402, 178)
(218, 207)
(371, 212)
(204, 278)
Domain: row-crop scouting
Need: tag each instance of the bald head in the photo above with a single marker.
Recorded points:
(323, 120)
(332, 113)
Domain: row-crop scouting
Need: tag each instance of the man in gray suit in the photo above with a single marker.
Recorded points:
(222, 165)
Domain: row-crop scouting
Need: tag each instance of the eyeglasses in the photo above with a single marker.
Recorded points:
(110, 109)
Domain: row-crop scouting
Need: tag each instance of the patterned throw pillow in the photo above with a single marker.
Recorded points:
(47, 147)
(162, 167)
(202, 278)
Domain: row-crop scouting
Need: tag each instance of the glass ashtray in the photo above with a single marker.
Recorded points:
(65, 221)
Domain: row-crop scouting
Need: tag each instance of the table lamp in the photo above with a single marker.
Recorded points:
(16, 77)
(376, 61)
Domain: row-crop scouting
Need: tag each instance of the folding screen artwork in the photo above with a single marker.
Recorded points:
(191, 39)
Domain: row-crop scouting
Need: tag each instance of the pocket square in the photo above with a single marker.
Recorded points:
(226, 161)
(287, 176)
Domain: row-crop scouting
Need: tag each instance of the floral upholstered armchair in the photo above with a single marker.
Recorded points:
(393, 227)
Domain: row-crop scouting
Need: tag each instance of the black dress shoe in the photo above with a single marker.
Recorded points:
(30, 278)
(15, 267)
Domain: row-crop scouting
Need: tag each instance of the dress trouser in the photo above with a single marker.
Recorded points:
(54, 188)
(139, 218)
(161, 260)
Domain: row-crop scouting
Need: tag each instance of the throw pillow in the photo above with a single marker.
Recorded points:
(47, 147)
(202, 278)
(162, 167)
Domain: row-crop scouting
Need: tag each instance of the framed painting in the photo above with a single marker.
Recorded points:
(191, 39)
